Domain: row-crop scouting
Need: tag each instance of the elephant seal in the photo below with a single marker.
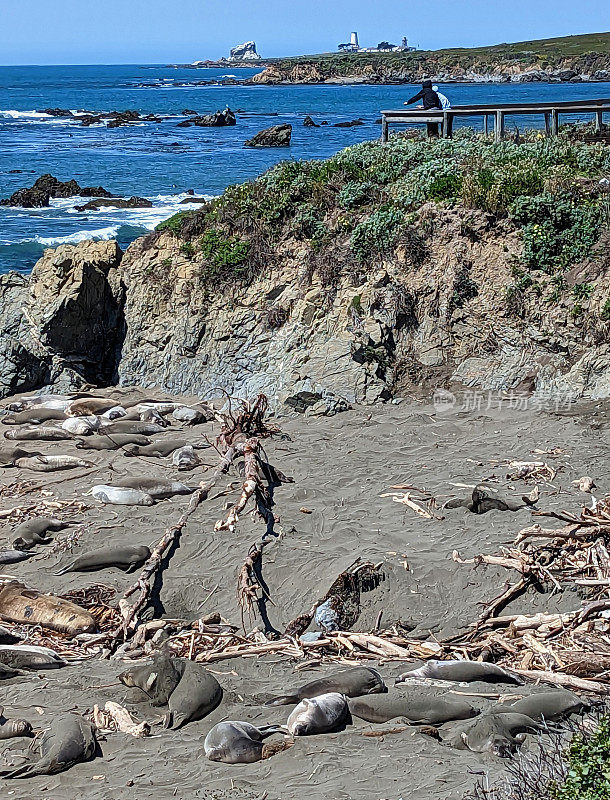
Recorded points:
(34, 416)
(418, 709)
(152, 415)
(156, 679)
(353, 682)
(158, 488)
(32, 532)
(59, 402)
(322, 714)
(50, 463)
(69, 740)
(12, 728)
(130, 426)
(159, 449)
(499, 734)
(112, 442)
(481, 501)
(190, 416)
(29, 657)
(549, 706)
(14, 556)
(460, 671)
(121, 496)
(25, 606)
(197, 694)
(89, 406)
(116, 412)
(9, 455)
(185, 458)
(242, 743)
(39, 433)
(81, 426)
(127, 558)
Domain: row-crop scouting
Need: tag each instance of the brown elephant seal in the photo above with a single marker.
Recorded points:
(12, 728)
(69, 740)
(481, 501)
(35, 531)
(159, 449)
(40, 433)
(131, 426)
(128, 558)
(461, 671)
(549, 706)
(89, 406)
(25, 606)
(29, 657)
(322, 714)
(242, 743)
(8, 455)
(51, 463)
(353, 682)
(34, 416)
(158, 488)
(156, 679)
(417, 709)
(113, 442)
(499, 734)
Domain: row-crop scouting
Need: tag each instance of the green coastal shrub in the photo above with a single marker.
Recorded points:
(355, 194)
(377, 235)
(589, 767)
(221, 252)
(174, 224)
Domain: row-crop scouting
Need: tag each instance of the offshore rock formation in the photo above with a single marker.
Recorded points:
(276, 136)
(46, 187)
(244, 52)
(219, 119)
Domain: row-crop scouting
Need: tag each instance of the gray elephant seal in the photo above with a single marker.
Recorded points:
(34, 416)
(50, 463)
(68, 741)
(418, 709)
(158, 488)
(242, 743)
(30, 657)
(41, 433)
(14, 556)
(127, 558)
(353, 682)
(111, 442)
(186, 458)
(549, 706)
(156, 679)
(34, 531)
(131, 426)
(460, 671)
(499, 734)
(9, 455)
(159, 449)
(11, 728)
(121, 496)
(322, 714)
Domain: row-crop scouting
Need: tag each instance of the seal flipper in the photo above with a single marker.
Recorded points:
(284, 700)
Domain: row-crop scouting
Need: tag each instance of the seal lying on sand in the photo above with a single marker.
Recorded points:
(418, 709)
(186, 458)
(549, 706)
(189, 690)
(158, 488)
(461, 671)
(12, 728)
(26, 606)
(127, 558)
(23, 656)
(9, 455)
(499, 734)
(34, 531)
(159, 449)
(352, 682)
(242, 743)
(481, 501)
(89, 406)
(112, 442)
(34, 416)
(121, 496)
(40, 434)
(322, 714)
(69, 740)
(81, 426)
(14, 556)
(50, 463)
(131, 426)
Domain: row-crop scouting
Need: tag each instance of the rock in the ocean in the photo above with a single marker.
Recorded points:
(115, 202)
(351, 124)
(276, 136)
(244, 52)
(56, 112)
(309, 123)
(219, 119)
(46, 187)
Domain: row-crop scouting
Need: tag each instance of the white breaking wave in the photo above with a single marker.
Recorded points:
(103, 234)
(10, 114)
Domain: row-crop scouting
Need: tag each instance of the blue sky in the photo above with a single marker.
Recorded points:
(158, 31)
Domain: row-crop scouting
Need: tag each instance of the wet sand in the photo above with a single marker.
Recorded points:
(341, 466)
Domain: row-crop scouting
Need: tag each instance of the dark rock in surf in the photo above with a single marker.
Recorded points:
(351, 124)
(116, 202)
(219, 119)
(309, 123)
(56, 112)
(48, 187)
(276, 136)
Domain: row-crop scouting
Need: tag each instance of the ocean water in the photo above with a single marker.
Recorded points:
(161, 161)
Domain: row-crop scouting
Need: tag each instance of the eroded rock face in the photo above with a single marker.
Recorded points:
(64, 324)
(244, 52)
(276, 136)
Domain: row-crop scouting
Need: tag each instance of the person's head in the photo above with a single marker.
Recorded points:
(435, 88)
(426, 84)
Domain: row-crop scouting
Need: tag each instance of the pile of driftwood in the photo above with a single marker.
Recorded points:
(569, 649)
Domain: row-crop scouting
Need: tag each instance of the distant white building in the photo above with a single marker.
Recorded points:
(353, 46)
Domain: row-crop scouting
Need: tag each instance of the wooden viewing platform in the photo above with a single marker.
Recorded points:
(499, 112)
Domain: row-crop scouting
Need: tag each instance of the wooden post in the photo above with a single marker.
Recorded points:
(486, 124)
(384, 129)
(599, 121)
(499, 126)
(554, 122)
(547, 124)
(449, 131)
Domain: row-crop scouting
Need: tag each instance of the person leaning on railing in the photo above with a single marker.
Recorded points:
(430, 99)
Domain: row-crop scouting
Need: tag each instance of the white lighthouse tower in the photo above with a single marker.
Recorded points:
(353, 40)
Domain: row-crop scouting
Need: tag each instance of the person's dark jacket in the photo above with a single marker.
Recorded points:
(429, 97)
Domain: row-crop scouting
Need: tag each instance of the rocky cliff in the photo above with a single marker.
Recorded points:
(321, 290)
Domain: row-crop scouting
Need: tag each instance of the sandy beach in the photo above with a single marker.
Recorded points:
(341, 467)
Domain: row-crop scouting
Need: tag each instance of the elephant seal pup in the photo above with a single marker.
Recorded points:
(12, 728)
(462, 671)
(50, 463)
(40, 433)
(131, 426)
(549, 706)
(158, 488)
(121, 496)
(242, 743)
(34, 531)
(127, 558)
(482, 501)
(353, 682)
(157, 679)
(116, 412)
(190, 416)
(197, 694)
(112, 442)
(89, 406)
(160, 449)
(499, 734)
(34, 416)
(30, 657)
(13, 556)
(322, 714)
(69, 740)
(81, 426)
(418, 709)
